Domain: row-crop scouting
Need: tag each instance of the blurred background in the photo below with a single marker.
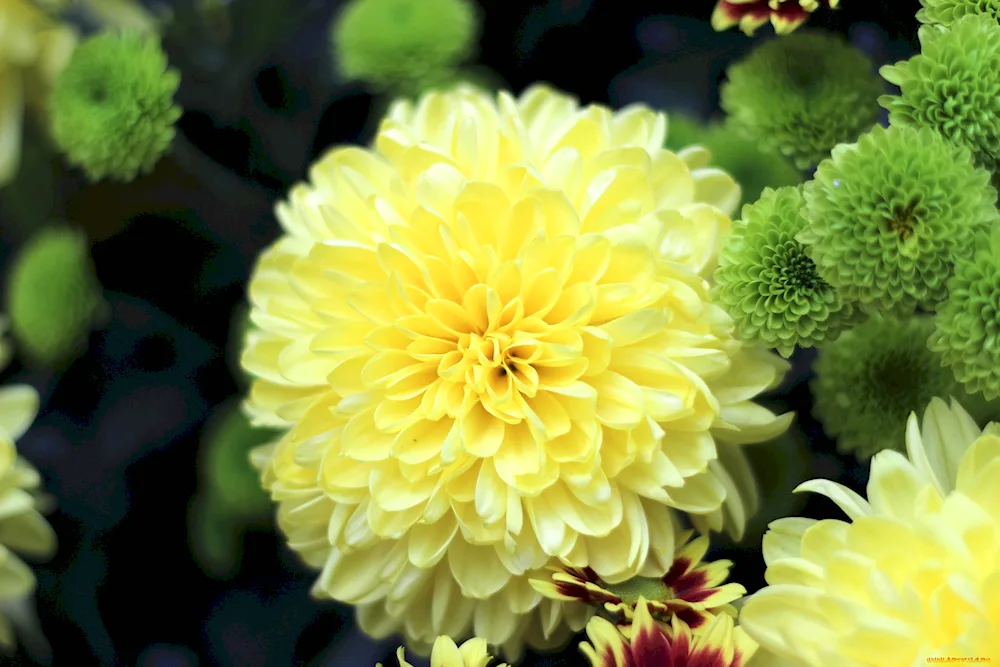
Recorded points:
(158, 565)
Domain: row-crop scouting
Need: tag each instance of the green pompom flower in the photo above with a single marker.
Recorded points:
(953, 86)
(889, 215)
(946, 12)
(768, 283)
(112, 107)
(869, 379)
(231, 481)
(754, 169)
(53, 296)
(801, 95)
(967, 333)
(405, 45)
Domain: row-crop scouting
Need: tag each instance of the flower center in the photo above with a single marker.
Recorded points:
(903, 219)
(631, 589)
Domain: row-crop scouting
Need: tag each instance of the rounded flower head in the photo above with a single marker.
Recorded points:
(33, 50)
(890, 214)
(53, 296)
(802, 95)
(784, 15)
(967, 325)
(403, 43)
(491, 341)
(768, 283)
(946, 12)
(754, 169)
(651, 643)
(112, 107)
(868, 379)
(692, 590)
(446, 653)
(953, 86)
(912, 576)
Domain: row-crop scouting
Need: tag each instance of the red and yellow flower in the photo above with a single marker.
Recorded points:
(651, 643)
(784, 15)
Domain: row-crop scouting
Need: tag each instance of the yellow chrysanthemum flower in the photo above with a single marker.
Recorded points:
(491, 341)
(33, 50)
(22, 528)
(646, 642)
(914, 577)
(446, 653)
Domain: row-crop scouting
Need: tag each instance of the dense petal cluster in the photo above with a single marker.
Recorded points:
(953, 86)
(890, 214)
(112, 106)
(802, 95)
(754, 169)
(868, 380)
(784, 15)
(53, 296)
(647, 642)
(967, 325)
(912, 577)
(445, 653)
(23, 529)
(33, 50)
(491, 341)
(692, 590)
(403, 44)
(946, 12)
(768, 283)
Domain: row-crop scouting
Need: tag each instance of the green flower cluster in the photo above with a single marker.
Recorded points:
(754, 169)
(112, 107)
(801, 95)
(768, 283)
(946, 12)
(967, 333)
(53, 296)
(403, 45)
(889, 215)
(869, 379)
(953, 85)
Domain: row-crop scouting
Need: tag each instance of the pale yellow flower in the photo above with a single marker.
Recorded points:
(913, 577)
(491, 341)
(33, 50)
(446, 653)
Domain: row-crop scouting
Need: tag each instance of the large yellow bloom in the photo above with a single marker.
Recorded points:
(33, 50)
(913, 577)
(22, 527)
(491, 342)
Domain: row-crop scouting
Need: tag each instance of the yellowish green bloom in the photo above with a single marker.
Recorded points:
(112, 106)
(445, 653)
(784, 15)
(890, 214)
(34, 48)
(802, 95)
(53, 296)
(912, 577)
(490, 341)
(953, 86)
(946, 12)
(647, 642)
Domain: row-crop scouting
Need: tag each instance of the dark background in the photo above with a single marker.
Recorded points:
(118, 435)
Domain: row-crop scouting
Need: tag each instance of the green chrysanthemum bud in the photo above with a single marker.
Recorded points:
(231, 481)
(112, 107)
(967, 333)
(769, 284)
(53, 297)
(801, 95)
(946, 12)
(869, 379)
(953, 86)
(889, 215)
(403, 44)
(751, 167)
